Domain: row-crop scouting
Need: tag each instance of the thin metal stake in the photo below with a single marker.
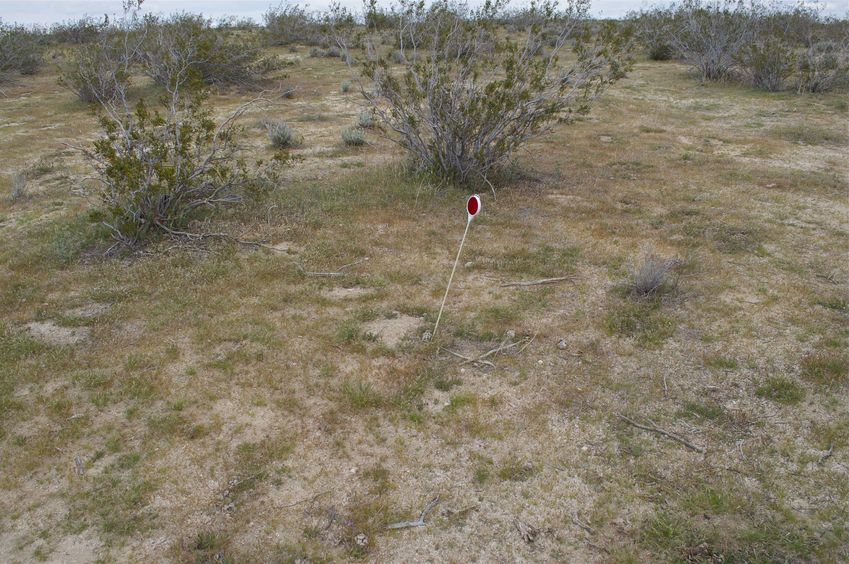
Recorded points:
(456, 260)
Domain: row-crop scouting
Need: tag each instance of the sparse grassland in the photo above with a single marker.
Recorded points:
(209, 400)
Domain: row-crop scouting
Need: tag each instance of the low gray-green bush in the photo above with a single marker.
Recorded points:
(281, 135)
(354, 137)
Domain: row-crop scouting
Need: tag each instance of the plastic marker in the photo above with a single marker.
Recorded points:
(473, 207)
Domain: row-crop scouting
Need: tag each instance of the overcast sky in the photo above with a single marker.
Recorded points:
(51, 11)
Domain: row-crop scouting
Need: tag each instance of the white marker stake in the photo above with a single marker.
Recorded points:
(473, 206)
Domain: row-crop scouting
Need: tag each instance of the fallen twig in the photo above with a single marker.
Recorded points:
(528, 532)
(581, 524)
(418, 522)
(531, 340)
(827, 454)
(310, 499)
(655, 429)
(537, 282)
(498, 349)
(467, 359)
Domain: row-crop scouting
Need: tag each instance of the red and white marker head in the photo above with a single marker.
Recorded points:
(473, 206)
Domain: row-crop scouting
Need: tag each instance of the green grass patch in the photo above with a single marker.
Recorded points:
(781, 389)
(826, 369)
(360, 395)
(643, 321)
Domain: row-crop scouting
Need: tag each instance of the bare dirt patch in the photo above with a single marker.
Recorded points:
(346, 293)
(52, 334)
(392, 331)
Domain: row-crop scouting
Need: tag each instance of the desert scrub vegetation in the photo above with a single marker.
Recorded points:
(189, 44)
(767, 46)
(289, 24)
(354, 137)
(650, 274)
(282, 135)
(21, 51)
(467, 97)
(101, 67)
(160, 167)
(243, 402)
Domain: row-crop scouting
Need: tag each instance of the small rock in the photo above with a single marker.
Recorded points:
(354, 470)
(510, 334)
(539, 362)
(427, 336)
(361, 539)
(561, 344)
(469, 264)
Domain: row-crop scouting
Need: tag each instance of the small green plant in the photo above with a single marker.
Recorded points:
(345, 87)
(514, 470)
(360, 395)
(643, 320)
(366, 120)
(720, 362)
(282, 135)
(354, 137)
(781, 389)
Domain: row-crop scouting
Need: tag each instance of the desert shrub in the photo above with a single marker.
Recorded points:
(77, 32)
(21, 51)
(467, 101)
(18, 185)
(366, 120)
(650, 274)
(653, 29)
(290, 23)
(345, 87)
(823, 66)
(354, 137)
(315, 52)
(188, 43)
(160, 168)
(768, 61)
(711, 34)
(281, 135)
(101, 68)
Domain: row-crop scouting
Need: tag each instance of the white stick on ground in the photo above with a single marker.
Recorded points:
(418, 522)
